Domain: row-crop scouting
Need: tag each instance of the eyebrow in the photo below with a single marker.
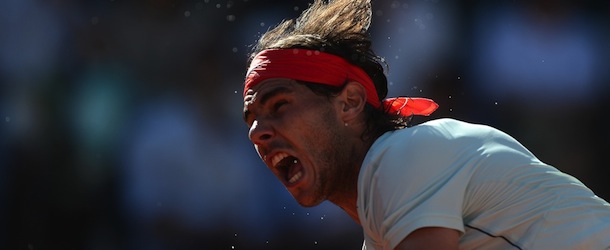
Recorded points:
(266, 96)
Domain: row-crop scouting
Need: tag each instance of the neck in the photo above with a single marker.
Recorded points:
(346, 195)
(347, 198)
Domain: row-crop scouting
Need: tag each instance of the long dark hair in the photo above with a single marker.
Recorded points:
(338, 27)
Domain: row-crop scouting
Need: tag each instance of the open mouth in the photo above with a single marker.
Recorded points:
(288, 167)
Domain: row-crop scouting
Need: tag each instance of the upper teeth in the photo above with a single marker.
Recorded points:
(277, 158)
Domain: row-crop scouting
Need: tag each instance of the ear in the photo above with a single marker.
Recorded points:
(352, 101)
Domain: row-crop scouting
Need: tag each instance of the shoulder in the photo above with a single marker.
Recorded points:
(408, 180)
(444, 128)
(427, 153)
(420, 155)
(433, 136)
(451, 128)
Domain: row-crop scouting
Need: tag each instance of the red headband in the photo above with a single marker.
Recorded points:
(324, 68)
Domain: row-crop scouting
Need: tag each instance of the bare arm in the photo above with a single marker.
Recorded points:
(430, 238)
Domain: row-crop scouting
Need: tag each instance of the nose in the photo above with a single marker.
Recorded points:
(260, 133)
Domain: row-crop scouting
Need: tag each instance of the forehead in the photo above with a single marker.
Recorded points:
(268, 86)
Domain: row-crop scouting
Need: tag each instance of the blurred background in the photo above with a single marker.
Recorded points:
(121, 121)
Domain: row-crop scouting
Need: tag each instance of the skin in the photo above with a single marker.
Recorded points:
(324, 135)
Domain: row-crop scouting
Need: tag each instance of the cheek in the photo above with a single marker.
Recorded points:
(321, 129)
(309, 124)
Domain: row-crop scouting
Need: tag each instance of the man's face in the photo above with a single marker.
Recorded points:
(299, 137)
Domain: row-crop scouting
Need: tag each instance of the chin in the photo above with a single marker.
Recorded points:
(307, 201)
(308, 204)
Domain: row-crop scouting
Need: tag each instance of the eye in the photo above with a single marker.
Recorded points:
(277, 105)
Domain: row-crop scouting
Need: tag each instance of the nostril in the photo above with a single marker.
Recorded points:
(260, 133)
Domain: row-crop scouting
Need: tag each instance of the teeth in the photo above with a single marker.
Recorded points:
(281, 156)
(277, 158)
(296, 177)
